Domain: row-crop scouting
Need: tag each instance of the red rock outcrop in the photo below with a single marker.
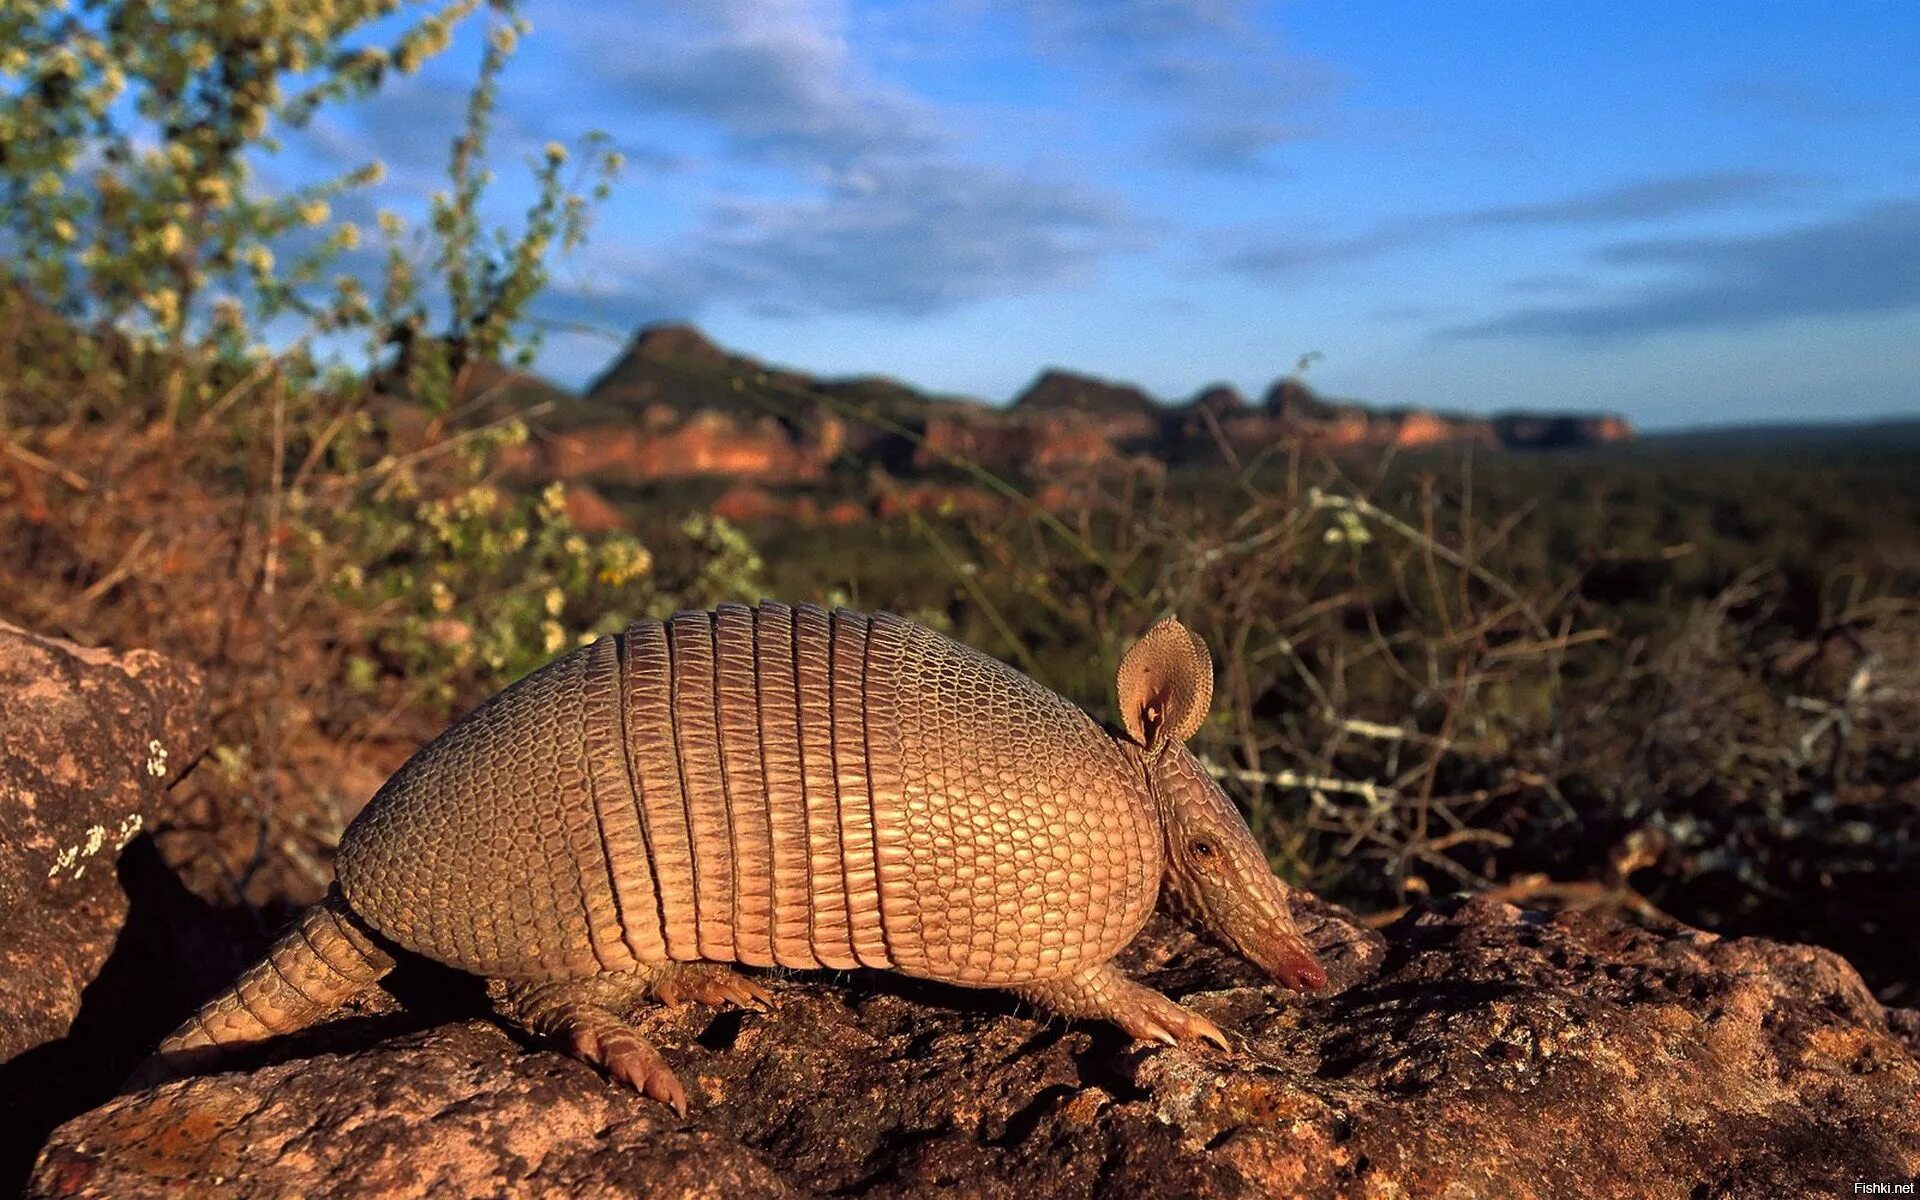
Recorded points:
(678, 406)
(744, 503)
(591, 512)
(664, 444)
(1023, 442)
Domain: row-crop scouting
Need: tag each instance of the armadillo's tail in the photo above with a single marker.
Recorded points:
(323, 960)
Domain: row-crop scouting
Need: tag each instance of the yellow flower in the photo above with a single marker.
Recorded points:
(314, 212)
(555, 637)
(556, 600)
(164, 304)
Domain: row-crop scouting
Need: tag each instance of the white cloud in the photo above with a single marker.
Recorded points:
(905, 238)
(777, 78)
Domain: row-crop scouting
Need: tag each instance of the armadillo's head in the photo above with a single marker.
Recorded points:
(1214, 869)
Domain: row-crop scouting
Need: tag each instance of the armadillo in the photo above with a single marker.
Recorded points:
(780, 786)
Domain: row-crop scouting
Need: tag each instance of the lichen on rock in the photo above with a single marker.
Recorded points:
(90, 740)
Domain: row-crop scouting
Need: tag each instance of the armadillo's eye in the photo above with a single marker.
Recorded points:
(1200, 848)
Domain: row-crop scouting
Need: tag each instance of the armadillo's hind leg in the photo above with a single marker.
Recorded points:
(703, 983)
(585, 1015)
(1103, 993)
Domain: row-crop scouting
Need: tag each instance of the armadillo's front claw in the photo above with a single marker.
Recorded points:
(1170, 1023)
(1102, 992)
(1207, 1030)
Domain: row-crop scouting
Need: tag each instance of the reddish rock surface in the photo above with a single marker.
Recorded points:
(591, 512)
(1016, 441)
(669, 445)
(745, 503)
(1474, 1050)
(89, 742)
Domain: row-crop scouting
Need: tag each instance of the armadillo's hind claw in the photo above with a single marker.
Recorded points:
(579, 1014)
(705, 983)
(604, 1040)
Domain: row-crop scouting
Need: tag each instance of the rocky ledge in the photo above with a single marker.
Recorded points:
(1472, 1049)
(1469, 1049)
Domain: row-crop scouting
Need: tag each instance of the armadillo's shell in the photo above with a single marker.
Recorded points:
(764, 785)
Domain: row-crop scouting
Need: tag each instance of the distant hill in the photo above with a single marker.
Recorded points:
(677, 405)
(1063, 391)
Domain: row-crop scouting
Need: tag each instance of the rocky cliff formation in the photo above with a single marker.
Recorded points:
(678, 406)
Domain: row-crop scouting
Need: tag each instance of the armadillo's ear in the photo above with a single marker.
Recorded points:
(1165, 686)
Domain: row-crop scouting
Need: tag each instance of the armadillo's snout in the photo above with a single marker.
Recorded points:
(1293, 965)
(1264, 933)
(1269, 938)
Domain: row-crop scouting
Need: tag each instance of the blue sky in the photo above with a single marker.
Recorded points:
(1693, 214)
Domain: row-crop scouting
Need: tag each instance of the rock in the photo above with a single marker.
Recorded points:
(1473, 1050)
(591, 512)
(744, 504)
(458, 1111)
(89, 742)
(670, 445)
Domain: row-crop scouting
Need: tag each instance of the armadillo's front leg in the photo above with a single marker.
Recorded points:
(1102, 992)
(585, 1015)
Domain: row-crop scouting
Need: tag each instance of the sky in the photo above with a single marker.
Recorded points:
(1691, 214)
